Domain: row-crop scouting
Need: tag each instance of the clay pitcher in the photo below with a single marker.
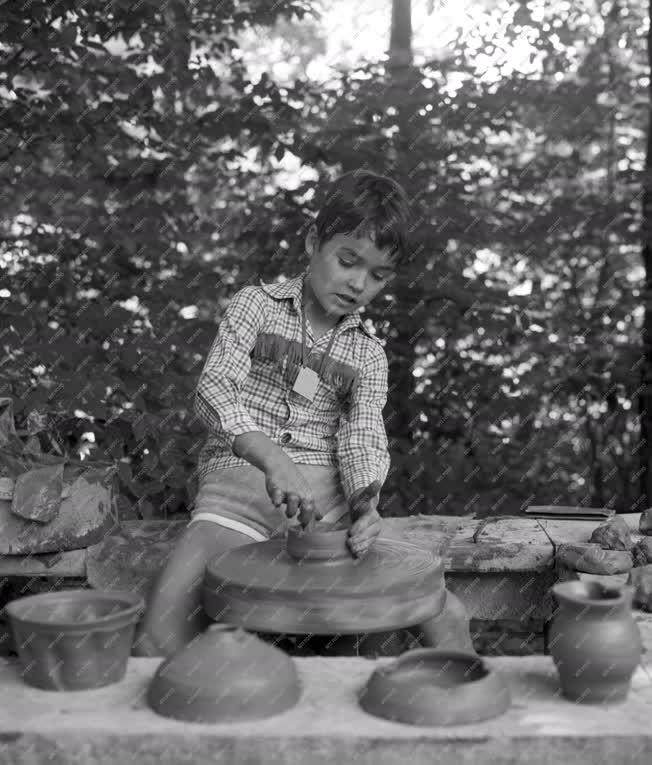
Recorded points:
(594, 641)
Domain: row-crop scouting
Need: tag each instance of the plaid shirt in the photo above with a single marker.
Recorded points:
(246, 385)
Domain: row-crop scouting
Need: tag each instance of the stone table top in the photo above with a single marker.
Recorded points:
(469, 544)
(114, 724)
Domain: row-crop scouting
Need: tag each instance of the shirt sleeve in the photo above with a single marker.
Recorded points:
(217, 396)
(362, 448)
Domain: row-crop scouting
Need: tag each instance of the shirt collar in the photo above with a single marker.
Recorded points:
(292, 289)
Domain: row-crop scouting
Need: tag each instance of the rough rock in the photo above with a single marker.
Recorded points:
(641, 579)
(645, 522)
(642, 552)
(37, 494)
(130, 558)
(85, 515)
(613, 534)
(592, 559)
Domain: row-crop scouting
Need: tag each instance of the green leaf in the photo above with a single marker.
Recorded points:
(124, 471)
(146, 510)
(154, 487)
(150, 462)
(140, 427)
(172, 503)
(68, 35)
(177, 478)
(33, 445)
(94, 45)
(23, 325)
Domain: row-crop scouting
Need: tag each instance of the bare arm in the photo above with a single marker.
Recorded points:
(259, 450)
(284, 482)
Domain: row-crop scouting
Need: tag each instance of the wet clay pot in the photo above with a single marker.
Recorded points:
(224, 675)
(594, 641)
(325, 543)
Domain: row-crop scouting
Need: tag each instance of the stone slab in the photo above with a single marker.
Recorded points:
(470, 545)
(644, 621)
(85, 516)
(565, 531)
(517, 545)
(67, 564)
(467, 544)
(498, 545)
(514, 595)
(114, 725)
(434, 532)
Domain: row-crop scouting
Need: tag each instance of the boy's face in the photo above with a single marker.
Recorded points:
(348, 266)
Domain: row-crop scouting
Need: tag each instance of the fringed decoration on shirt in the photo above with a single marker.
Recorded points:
(343, 377)
(276, 348)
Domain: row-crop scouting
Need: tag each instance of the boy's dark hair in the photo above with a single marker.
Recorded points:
(364, 203)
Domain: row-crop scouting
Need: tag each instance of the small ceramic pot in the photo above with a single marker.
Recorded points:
(325, 543)
(594, 641)
(427, 686)
(224, 675)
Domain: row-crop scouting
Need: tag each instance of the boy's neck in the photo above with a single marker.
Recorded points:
(314, 311)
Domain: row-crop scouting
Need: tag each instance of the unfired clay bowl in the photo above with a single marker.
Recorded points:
(431, 687)
(74, 640)
(324, 543)
(224, 675)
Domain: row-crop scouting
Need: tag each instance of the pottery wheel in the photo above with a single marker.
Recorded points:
(261, 587)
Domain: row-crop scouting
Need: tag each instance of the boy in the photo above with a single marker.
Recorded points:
(292, 392)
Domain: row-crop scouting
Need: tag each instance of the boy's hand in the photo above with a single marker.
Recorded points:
(286, 485)
(366, 521)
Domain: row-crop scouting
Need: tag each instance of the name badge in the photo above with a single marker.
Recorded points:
(306, 383)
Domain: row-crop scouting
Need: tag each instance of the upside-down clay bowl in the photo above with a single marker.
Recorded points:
(324, 543)
(432, 687)
(224, 675)
(74, 640)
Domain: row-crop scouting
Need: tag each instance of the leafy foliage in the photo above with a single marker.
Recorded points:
(140, 165)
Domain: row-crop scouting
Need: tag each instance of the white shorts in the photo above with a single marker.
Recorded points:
(236, 498)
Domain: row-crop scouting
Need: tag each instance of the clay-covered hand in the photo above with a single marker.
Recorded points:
(286, 485)
(366, 520)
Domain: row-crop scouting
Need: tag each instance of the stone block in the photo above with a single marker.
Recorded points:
(641, 579)
(114, 726)
(613, 534)
(516, 595)
(592, 559)
(645, 521)
(642, 551)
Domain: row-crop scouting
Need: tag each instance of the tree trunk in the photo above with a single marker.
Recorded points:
(645, 395)
(400, 412)
(400, 41)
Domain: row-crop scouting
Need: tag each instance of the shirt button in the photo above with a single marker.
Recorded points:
(286, 437)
